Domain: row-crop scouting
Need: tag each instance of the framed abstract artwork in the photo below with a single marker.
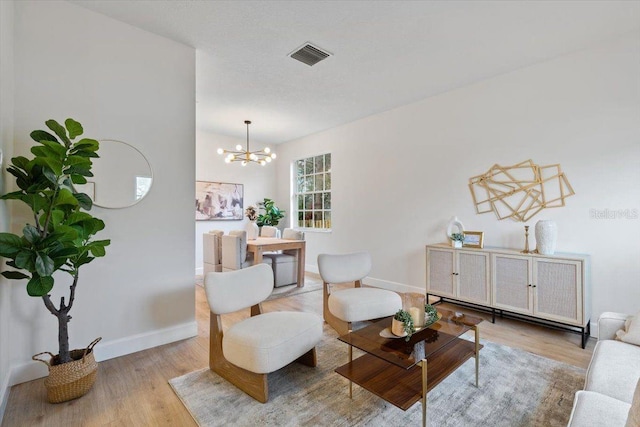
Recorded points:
(219, 201)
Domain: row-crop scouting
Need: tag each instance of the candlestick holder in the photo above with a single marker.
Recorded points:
(526, 240)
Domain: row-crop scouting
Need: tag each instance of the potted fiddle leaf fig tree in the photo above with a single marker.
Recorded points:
(59, 239)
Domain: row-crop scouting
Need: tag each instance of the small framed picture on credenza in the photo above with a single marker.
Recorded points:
(473, 239)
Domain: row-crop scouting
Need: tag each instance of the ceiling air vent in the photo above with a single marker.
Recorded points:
(309, 54)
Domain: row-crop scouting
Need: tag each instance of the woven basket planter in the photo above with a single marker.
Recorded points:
(70, 380)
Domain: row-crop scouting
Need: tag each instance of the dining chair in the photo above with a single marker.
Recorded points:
(285, 264)
(269, 231)
(212, 251)
(234, 252)
(248, 350)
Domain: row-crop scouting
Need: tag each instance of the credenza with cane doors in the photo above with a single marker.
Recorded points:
(553, 290)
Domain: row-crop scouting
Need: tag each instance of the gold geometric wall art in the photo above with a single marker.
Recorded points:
(520, 191)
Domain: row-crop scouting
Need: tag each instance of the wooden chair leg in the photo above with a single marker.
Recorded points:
(309, 358)
(340, 326)
(255, 385)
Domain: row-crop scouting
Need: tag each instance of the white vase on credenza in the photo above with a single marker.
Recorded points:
(546, 236)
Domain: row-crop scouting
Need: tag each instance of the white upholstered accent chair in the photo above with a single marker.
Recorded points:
(285, 264)
(269, 231)
(248, 350)
(212, 251)
(343, 307)
(234, 252)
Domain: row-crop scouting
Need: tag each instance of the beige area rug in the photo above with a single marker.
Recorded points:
(311, 284)
(517, 389)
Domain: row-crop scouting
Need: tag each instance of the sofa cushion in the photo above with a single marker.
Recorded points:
(634, 412)
(631, 332)
(595, 409)
(614, 370)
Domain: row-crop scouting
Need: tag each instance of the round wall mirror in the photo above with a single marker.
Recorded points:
(122, 176)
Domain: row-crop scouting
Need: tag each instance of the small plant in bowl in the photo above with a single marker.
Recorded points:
(402, 324)
(430, 314)
(456, 239)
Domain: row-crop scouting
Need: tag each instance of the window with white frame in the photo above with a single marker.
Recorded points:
(312, 192)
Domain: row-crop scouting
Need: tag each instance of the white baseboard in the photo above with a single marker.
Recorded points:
(5, 387)
(139, 342)
(311, 268)
(108, 350)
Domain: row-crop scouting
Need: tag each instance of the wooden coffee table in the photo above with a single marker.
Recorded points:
(402, 372)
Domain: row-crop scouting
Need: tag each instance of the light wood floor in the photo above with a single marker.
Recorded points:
(133, 390)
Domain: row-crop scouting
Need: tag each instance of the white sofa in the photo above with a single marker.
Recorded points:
(612, 378)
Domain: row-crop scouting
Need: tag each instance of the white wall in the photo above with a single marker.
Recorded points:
(125, 84)
(258, 181)
(6, 138)
(400, 175)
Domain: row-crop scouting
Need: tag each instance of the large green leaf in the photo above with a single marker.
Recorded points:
(10, 245)
(83, 260)
(57, 216)
(52, 177)
(74, 128)
(78, 179)
(78, 161)
(97, 251)
(84, 201)
(42, 151)
(52, 163)
(62, 234)
(15, 275)
(20, 162)
(60, 150)
(39, 286)
(59, 130)
(26, 260)
(85, 144)
(97, 247)
(78, 170)
(18, 173)
(64, 252)
(44, 264)
(15, 195)
(65, 197)
(31, 233)
(42, 135)
(76, 217)
(85, 153)
(96, 225)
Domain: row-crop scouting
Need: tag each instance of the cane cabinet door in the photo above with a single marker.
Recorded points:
(512, 278)
(558, 290)
(440, 277)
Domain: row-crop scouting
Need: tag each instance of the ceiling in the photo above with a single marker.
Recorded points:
(385, 53)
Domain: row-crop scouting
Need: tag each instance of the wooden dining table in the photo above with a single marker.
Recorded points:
(268, 244)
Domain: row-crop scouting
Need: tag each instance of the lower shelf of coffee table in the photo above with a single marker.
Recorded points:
(403, 387)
